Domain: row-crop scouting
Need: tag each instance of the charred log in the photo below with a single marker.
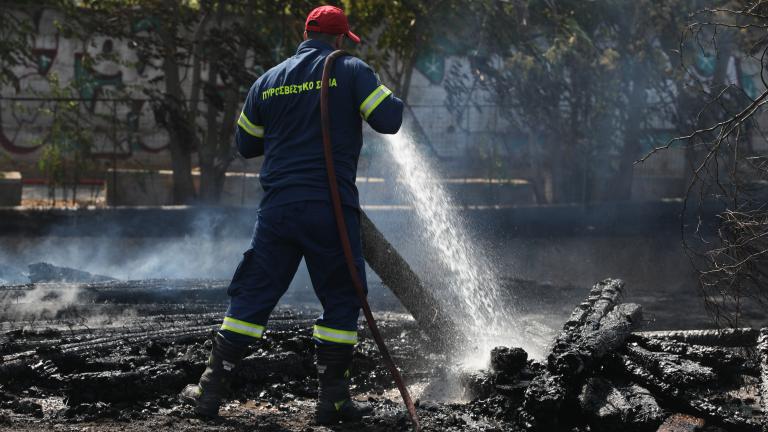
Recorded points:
(682, 423)
(724, 361)
(735, 337)
(547, 394)
(762, 352)
(577, 348)
(679, 397)
(586, 317)
(117, 386)
(477, 384)
(398, 276)
(508, 361)
(613, 406)
(673, 369)
(612, 333)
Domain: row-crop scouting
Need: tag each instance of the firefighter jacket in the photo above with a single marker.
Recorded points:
(281, 120)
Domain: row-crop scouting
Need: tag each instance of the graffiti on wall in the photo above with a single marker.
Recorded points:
(121, 127)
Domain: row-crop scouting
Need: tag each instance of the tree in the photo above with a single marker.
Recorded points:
(206, 54)
(399, 32)
(67, 145)
(728, 157)
(587, 84)
(16, 28)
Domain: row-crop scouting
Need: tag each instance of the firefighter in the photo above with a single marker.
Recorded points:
(281, 120)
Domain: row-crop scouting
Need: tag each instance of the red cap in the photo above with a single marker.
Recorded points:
(329, 19)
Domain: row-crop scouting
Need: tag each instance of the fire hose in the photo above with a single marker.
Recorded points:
(344, 237)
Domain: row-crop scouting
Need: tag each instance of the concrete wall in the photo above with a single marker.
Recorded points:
(135, 134)
(10, 188)
(132, 187)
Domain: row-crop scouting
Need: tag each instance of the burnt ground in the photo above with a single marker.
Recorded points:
(130, 381)
(112, 355)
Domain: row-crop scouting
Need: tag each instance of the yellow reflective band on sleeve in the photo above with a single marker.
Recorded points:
(252, 129)
(373, 100)
(332, 335)
(242, 327)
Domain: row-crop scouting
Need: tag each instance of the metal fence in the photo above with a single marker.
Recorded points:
(124, 128)
(119, 128)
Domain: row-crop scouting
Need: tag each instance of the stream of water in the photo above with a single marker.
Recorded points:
(471, 292)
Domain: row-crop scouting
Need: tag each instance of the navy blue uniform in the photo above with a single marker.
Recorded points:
(281, 120)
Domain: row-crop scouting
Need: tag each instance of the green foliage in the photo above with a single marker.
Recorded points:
(16, 30)
(203, 56)
(573, 77)
(577, 77)
(65, 155)
(395, 33)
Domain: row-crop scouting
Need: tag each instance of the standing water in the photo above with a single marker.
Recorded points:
(472, 292)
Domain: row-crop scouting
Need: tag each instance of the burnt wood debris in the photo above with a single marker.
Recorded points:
(119, 351)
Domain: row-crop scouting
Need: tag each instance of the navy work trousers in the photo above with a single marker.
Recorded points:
(282, 236)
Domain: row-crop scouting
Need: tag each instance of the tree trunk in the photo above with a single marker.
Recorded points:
(211, 182)
(620, 187)
(633, 87)
(405, 86)
(179, 124)
(537, 177)
(217, 151)
(211, 178)
(568, 170)
(181, 164)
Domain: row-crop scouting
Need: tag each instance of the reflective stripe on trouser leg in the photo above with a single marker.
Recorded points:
(328, 334)
(242, 327)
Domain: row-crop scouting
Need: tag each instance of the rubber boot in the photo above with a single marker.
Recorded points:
(334, 403)
(206, 396)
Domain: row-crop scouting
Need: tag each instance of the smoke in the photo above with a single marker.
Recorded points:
(60, 301)
(201, 253)
(42, 301)
(116, 320)
(10, 275)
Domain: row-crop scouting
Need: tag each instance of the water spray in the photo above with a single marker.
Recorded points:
(472, 294)
(345, 243)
